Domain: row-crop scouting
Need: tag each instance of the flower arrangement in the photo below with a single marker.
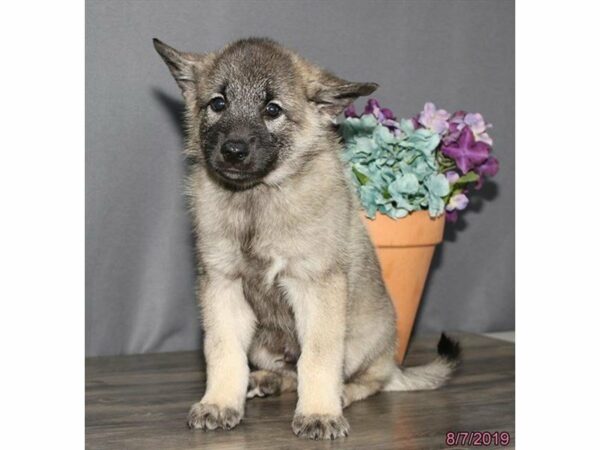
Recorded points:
(430, 162)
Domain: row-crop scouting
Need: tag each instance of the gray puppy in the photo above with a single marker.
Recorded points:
(290, 283)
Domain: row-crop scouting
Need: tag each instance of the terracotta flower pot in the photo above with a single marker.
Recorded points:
(405, 248)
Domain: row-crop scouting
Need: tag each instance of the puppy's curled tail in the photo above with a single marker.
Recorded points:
(431, 375)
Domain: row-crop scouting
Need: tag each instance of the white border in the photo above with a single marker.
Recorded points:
(42, 225)
(558, 199)
(41, 257)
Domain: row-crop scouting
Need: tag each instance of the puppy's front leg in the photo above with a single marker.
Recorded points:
(228, 327)
(320, 313)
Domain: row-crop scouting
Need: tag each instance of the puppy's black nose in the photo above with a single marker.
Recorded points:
(234, 151)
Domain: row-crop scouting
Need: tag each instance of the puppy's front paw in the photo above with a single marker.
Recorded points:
(320, 426)
(210, 417)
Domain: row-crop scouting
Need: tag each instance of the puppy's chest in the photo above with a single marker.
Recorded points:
(261, 262)
(260, 269)
(262, 245)
(276, 326)
(261, 248)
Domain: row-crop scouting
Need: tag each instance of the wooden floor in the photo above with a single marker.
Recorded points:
(141, 402)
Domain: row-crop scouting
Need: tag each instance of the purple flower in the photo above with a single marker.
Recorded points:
(434, 119)
(415, 122)
(454, 130)
(462, 119)
(457, 202)
(452, 177)
(466, 152)
(455, 125)
(476, 122)
(488, 168)
(350, 111)
(452, 216)
(478, 126)
(458, 117)
(382, 114)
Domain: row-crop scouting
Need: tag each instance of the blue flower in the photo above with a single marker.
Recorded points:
(437, 188)
(404, 184)
(413, 165)
(394, 173)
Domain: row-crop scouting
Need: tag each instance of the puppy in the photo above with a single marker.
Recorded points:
(290, 282)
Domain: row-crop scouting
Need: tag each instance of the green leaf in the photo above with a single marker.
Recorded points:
(361, 177)
(469, 177)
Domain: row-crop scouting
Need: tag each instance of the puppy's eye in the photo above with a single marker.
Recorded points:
(218, 104)
(273, 110)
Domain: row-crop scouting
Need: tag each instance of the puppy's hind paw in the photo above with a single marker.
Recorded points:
(210, 417)
(262, 383)
(320, 426)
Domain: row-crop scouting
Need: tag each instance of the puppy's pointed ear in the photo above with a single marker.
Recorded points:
(333, 94)
(184, 66)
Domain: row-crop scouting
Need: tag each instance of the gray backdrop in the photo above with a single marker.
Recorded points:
(139, 260)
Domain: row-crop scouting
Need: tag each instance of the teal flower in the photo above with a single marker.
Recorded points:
(404, 184)
(395, 174)
(438, 185)
(437, 188)
(411, 165)
(370, 198)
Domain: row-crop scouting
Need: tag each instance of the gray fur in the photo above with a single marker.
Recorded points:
(282, 249)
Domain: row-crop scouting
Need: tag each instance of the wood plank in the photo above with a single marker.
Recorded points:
(141, 402)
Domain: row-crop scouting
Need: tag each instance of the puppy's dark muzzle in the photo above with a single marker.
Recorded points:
(235, 152)
(241, 162)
